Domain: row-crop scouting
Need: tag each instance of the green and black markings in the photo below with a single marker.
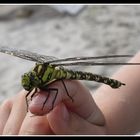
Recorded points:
(49, 69)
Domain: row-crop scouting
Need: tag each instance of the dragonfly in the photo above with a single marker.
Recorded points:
(49, 69)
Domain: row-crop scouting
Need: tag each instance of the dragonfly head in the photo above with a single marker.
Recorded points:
(30, 80)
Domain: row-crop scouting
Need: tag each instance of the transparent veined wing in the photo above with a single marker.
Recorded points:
(88, 61)
(87, 58)
(84, 61)
(93, 63)
(27, 55)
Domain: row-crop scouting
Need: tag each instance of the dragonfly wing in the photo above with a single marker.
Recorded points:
(89, 58)
(93, 63)
(27, 55)
(88, 61)
(58, 62)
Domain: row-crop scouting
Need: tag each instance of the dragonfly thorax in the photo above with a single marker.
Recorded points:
(30, 80)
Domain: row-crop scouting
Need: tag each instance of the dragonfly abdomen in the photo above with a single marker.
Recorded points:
(50, 73)
(79, 75)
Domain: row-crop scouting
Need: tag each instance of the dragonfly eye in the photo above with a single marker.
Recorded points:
(26, 83)
(34, 79)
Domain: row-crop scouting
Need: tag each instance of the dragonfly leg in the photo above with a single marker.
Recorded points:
(33, 94)
(49, 91)
(54, 97)
(27, 99)
(67, 90)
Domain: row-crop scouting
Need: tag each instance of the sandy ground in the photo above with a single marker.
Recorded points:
(96, 30)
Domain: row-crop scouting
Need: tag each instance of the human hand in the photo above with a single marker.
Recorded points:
(79, 117)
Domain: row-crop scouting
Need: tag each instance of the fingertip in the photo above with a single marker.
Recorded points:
(35, 125)
(59, 118)
(39, 105)
(62, 121)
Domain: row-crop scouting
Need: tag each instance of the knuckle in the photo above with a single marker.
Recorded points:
(38, 124)
(7, 103)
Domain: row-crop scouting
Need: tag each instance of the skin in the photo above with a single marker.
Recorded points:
(108, 111)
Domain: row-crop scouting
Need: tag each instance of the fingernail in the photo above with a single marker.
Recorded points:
(65, 113)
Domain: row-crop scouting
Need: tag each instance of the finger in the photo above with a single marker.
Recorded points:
(71, 123)
(17, 115)
(5, 110)
(83, 103)
(35, 125)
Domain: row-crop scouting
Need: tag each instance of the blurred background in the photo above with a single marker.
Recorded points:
(65, 31)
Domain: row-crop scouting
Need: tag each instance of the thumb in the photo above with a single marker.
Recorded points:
(62, 121)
